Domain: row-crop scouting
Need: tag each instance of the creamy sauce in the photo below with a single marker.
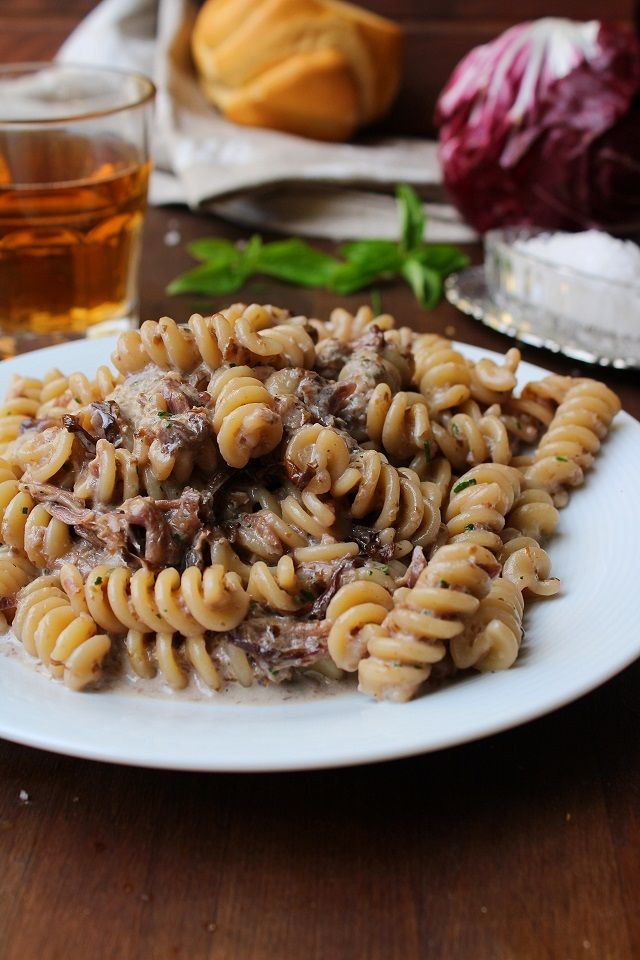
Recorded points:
(120, 680)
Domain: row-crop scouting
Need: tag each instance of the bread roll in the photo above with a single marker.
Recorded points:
(316, 68)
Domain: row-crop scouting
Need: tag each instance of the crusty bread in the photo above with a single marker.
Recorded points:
(316, 68)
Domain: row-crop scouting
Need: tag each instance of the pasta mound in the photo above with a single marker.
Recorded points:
(255, 496)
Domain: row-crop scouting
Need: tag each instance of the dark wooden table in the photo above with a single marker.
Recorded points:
(523, 846)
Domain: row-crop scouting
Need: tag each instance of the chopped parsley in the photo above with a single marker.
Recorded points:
(464, 484)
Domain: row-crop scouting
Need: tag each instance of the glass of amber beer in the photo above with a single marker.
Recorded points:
(74, 171)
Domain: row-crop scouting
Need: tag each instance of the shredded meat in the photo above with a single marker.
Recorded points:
(415, 568)
(183, 515)
(139, 527)
(184, 431)
(292, 413)
(60, 503)
(359, 367)
(369, 542)
(323, 398)
(260, 525)
(331, 356)
(105, 421)
(280, 645)
(305, 397)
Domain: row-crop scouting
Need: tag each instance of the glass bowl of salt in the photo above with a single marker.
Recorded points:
(578, 288)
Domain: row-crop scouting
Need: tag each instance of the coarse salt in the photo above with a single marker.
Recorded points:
(590, 279)
(592, 251)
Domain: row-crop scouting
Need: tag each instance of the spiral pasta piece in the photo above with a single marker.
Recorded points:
(317, 457)
(479, 504)
(355, 606)
(526, 564)
(67, 643)
(491, 638)
(443, 375)
(112, 475)
(532, 515)
(424, 619)
(13, 414)
(16, 572)
(151, 611)
(391, 496)
(60, 394)
(573, 437)
(9, 486)
(41, 454)
(529, 414)
(313, 518)
(24, 387)
(348, 326)
(470, 436)
(29, 528)
(245, 421)
(398, 424)
(493, 382)
(162, 342)
(278, 588)
(284, 345)
(167, 602)
(234, 335)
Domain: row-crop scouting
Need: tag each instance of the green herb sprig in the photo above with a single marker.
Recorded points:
(226, 266)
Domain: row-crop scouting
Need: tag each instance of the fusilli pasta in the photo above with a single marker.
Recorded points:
(255, 497)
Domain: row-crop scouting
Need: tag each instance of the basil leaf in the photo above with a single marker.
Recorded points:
(442, 257)
(296, 262)
(226, 266)
(383, 255)
(351, 277)
(214, 250)
(208, 280)
(250, 254)
(425, 283)
(376, 302)
(411, 215)
(367, 260)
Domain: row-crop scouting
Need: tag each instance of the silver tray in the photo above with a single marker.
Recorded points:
(468, 292)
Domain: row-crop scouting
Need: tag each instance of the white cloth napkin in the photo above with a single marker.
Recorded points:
(256, 177)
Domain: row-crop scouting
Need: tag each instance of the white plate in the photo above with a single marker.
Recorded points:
(574, 642)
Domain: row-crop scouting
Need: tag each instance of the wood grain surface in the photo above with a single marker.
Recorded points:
(523, 846)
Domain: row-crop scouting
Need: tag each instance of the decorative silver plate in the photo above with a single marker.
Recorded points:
(468, 292)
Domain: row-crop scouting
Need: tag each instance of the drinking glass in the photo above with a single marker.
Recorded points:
(74, 172)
